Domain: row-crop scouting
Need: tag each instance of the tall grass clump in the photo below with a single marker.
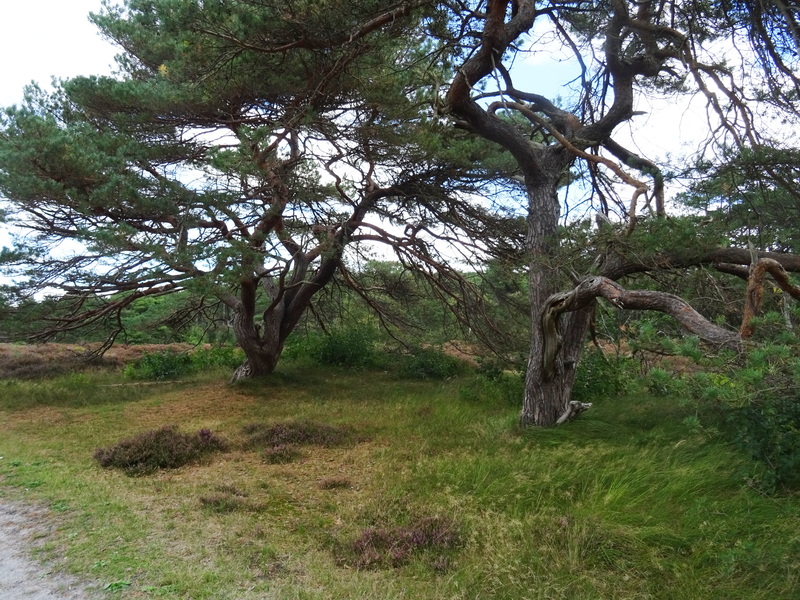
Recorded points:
(495, 386)
(164, 448)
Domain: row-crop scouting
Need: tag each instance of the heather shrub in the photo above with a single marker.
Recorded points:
(164, 448)
(281, 454)
(335, 483)
(225, 499)
(392, 547)
(297, 433)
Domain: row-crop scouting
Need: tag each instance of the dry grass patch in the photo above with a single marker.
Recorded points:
(29, 361)
(335, 483)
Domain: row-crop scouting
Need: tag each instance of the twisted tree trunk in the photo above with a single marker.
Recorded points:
(548, 388)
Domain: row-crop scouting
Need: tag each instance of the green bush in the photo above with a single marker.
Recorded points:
(600, 376)
(228, 357)
(430, 363)
(759, 401)
(164, 448)
(301, 347)
(765, 418)
(663, 383)
(160, 366)
(171, 365)
(351, 347)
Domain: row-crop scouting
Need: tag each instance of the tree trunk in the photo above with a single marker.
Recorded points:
(547, 395)
(262, 350)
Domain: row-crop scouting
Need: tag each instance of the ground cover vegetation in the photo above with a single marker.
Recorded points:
(337, 482)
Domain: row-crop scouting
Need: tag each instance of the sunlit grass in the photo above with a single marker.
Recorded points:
(626, 502)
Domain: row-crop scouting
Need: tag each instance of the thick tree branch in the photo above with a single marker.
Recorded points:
(725, 259)
(593, 287)
(755, 290)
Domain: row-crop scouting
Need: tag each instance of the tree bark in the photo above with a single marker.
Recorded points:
(547, 394)
(262, 349)
(755, 290)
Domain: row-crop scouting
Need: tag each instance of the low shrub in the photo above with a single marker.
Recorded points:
(600, 376)
(663, 383)
(164, 448)
(353, 347)
(769, 431)
(168, 364)
(228, 357)
(281, 454)
(381, 547)
(295, 433)
(759, 401)
(159, 366)
(430, 363)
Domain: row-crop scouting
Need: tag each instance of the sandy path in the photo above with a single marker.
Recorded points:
(22, 528)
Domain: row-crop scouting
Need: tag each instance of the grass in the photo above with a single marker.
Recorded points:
(432, 493)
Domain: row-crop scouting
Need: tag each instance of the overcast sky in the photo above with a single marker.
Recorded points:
(45, 38)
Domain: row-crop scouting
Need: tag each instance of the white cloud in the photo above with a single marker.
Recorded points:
(41, 39)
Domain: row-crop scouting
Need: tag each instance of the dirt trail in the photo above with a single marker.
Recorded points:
(22, 528)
